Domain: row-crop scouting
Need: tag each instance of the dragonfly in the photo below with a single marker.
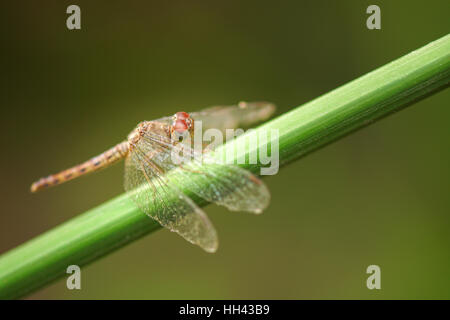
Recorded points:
(167, 197)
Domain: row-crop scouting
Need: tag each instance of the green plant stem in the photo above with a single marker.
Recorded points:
(117, 222)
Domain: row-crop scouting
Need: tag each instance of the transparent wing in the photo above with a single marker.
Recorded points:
(224, 184)
(242, 115)
(159, 198)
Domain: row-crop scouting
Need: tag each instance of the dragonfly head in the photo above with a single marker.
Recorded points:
(182, 126)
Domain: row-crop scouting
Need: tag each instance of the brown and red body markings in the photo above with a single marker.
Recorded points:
(105, 159)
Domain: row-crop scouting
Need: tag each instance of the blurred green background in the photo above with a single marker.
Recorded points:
(379, 196)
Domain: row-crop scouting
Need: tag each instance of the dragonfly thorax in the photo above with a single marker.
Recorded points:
(137, 133)
(156, 127)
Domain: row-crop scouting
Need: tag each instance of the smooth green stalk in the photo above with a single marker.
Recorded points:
(117, 222)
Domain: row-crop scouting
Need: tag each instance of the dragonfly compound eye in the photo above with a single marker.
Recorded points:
(181, 115)
(180, 126)
(181, 122)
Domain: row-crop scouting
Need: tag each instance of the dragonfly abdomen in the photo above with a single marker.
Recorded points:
(101, 161)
